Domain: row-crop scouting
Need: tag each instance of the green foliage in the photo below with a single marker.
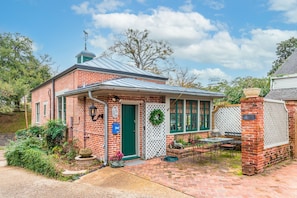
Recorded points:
(283, 50)
(70, 150)
(27, 153)
(38, 161)
(11, 122)
(54, 133)
(16, 150)
(33, 131)
(20, 70)
(234, 91)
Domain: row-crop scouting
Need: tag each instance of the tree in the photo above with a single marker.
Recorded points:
(283, 50)
(183, 78)
(19, 68)
(140, 49)
(234, 91)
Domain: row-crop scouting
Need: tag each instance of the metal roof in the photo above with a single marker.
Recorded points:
(113, 66)
(107, 65)
(130, 84)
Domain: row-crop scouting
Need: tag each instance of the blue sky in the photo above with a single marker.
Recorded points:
(220, 39)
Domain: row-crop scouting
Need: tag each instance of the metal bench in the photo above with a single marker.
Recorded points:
(237, 138)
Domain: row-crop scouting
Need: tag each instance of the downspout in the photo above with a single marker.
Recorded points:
(105, 126)
(53, 99)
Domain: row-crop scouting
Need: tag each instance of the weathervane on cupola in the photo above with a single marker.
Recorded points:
(85, 55)
(86, 37)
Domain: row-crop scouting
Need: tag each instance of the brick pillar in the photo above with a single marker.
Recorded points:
(252, 135)
(292, 114)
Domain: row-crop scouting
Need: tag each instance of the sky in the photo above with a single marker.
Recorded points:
(216, 39)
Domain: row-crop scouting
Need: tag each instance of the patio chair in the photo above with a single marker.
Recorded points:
(228, 147)
(199, 149)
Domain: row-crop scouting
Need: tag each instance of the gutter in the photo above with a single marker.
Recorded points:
(105, 126)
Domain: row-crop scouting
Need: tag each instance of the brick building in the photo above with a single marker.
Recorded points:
(122, 99)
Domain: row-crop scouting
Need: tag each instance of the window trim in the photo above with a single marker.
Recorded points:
(198, 117)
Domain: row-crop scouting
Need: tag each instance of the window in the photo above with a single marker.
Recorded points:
(37, 109)
(176, 115)
(204, 115)
(44, 110)
(62, 109)
(191, 115)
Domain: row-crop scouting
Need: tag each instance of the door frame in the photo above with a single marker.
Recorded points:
(137, 135)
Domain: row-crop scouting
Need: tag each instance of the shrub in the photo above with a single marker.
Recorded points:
(38, 161)
(33, 131)
(27, 153)
(54, 133)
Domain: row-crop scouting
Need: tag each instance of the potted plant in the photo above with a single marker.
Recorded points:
(85, 152)
(117, 161)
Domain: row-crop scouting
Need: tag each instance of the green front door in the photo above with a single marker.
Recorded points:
(128, 130)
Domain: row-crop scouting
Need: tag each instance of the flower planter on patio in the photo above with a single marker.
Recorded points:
(180, 153)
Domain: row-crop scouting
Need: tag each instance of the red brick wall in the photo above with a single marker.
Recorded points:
(86, 132)
(41, 96)
(253, 152)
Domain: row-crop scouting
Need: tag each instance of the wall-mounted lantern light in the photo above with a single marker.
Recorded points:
(93, 112)
(116, 99)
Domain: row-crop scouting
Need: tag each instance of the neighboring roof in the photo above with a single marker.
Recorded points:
(129, 84)
(282, 94)
(111, 66)
(289, 66)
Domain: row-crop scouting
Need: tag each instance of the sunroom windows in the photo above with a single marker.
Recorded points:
(189, 115)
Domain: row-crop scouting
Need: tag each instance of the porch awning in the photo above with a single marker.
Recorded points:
(134, 85)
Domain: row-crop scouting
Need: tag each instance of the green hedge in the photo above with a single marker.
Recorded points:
(27, 153)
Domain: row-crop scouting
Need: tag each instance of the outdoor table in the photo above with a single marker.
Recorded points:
(216, 140)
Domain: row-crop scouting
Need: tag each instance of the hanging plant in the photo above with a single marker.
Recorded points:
(157, 117)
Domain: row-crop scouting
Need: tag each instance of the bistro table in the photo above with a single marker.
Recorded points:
(216, 140)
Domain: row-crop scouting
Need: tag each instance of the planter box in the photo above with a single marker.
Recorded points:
(180, 153)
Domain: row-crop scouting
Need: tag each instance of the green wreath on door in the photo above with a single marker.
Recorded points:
(157, 117)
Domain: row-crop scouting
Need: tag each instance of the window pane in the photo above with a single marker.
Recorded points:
(37, 112)
(176, 115)
(191, 109)
(204, 115)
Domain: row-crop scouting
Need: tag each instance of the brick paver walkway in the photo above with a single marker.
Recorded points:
(204, 181)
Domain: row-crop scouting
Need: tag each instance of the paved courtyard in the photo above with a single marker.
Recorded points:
(207, 181)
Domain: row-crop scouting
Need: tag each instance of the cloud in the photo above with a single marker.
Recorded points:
(109, 5)
(196, 38)
(216, 5)
(210, 75)
(103, 7)
(82, 8)
(288, 7)
(187, 7)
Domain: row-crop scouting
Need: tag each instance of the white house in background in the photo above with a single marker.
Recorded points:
(284, 81)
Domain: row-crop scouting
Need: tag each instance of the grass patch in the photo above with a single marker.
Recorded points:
(11, 122)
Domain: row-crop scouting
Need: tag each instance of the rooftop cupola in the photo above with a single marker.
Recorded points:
(85, 55)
